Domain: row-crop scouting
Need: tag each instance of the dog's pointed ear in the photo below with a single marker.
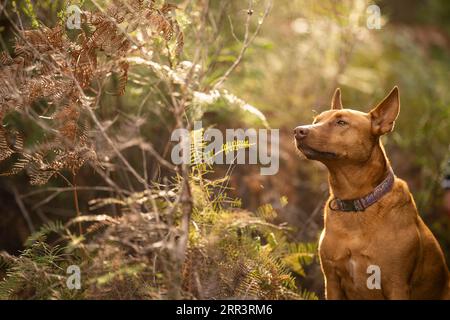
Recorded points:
(383, 116)
(336, 102)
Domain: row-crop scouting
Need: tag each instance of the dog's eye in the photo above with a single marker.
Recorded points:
(341, 122)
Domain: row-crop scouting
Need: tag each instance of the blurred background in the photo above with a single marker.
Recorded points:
(304, 50)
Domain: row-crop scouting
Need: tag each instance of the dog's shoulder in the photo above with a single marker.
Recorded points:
(400, 194)
(398, 207)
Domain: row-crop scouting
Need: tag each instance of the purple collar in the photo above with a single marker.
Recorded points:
(363, 203)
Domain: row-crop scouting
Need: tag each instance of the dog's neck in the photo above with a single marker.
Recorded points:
(356, 180)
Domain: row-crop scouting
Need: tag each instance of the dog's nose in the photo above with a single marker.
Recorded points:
(301, 132)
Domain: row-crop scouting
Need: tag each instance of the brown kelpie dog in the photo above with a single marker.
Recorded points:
(374, 244)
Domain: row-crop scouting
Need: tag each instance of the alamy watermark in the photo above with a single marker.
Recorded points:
(374, 17)
(374, 280)
(73, 13)
(211, 147)
(73, 281)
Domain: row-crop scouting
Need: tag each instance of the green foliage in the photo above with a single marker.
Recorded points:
(38, 273)
(299, 255)
(28, 9)
(53, 226)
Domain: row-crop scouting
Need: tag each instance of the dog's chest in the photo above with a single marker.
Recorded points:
(349, 253)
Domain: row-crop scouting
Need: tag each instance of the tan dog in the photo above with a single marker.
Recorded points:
(374, 244)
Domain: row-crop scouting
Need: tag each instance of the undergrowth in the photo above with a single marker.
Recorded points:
(232, 253)
(162, 230)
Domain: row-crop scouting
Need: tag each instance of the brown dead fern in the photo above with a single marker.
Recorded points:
(49, 67)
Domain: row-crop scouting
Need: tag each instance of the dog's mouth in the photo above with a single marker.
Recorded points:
(312, 153)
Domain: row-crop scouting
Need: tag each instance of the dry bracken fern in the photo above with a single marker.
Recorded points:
(51, 68)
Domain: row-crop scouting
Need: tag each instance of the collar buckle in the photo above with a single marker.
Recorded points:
(345, 205)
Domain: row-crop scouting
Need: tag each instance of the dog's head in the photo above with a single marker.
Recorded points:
(340, 133)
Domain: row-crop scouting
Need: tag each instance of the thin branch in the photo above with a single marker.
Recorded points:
(248, 39)
(64, 189)
(23, 209)
(75, 199)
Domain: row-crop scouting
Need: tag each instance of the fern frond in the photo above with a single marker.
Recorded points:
(52, 226)
(5, 150)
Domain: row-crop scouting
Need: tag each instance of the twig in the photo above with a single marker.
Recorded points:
(75, 198)
(64, 189)
(23, 209)
(247, 40)
(114, 147)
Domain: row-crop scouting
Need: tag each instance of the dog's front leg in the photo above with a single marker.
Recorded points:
(396, 279)
(398, 265)
(333, 290)
(397, 291)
